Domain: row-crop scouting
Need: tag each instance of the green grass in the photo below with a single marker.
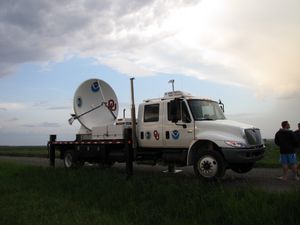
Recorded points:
(34, 195)
(30, 151)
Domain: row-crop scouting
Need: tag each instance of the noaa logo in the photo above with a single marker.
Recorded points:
(175, 134)
(95, 87)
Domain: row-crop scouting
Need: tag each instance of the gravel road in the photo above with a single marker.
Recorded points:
(266, 179)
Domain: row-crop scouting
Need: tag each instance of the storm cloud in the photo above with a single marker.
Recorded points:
(253, 44)
(41, 31)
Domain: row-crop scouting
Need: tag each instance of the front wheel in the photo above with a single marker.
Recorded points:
(209, 165)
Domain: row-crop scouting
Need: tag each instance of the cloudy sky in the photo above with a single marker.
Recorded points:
(243, 52)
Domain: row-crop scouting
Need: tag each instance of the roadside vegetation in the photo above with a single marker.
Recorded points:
(35, 195)
(27, 151)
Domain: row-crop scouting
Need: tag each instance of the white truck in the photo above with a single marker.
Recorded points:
(177, 129)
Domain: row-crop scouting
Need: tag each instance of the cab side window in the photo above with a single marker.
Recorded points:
(151, 113)
(180, 112)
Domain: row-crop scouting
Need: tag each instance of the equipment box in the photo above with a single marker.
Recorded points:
(108, 132)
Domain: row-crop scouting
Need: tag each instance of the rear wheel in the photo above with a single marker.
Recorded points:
(209, 165)
(242, 168)
(69, 159)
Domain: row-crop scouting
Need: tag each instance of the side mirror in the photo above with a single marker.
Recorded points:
(174, 110)
(222, 105)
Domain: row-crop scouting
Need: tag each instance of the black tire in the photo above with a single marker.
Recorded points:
(69, 159)
(242, 168)
(209, 165)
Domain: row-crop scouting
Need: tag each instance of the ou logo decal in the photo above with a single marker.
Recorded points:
(156, 135)
(111, 105)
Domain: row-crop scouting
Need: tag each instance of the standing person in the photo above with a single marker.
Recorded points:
(286, 140)
(297, 134)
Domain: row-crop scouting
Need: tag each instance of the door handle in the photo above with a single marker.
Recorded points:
(167, 134)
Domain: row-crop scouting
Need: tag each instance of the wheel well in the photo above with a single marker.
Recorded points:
(199, 146)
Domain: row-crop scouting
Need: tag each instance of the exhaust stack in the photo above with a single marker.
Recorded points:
(133, 118)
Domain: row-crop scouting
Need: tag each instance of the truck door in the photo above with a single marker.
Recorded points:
(178, 125)
(150, 125)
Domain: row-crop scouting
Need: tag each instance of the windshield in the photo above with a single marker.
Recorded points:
(205, 110)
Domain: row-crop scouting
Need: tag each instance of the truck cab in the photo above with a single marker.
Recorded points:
(194, 131)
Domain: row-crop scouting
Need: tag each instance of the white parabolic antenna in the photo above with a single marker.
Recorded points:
(95, 104)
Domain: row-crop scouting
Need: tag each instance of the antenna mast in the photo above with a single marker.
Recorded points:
(172, 82)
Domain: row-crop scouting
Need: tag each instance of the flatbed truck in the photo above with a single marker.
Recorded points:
(177, 129)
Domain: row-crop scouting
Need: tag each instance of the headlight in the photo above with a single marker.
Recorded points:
(236, 144)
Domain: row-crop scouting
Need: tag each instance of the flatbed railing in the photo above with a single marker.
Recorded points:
(127, 142)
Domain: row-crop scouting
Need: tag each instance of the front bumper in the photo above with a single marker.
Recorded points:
(243, 155)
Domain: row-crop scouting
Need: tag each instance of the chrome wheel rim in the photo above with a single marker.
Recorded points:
(207, 166)
(68, 160)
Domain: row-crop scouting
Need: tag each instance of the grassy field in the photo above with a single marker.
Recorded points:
(30, 151)
(34, 195)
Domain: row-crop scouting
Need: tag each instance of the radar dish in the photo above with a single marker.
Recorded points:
(95, 104)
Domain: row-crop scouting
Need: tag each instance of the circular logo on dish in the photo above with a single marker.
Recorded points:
(95, 86)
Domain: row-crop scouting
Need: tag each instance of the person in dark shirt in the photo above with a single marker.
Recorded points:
(287, 142)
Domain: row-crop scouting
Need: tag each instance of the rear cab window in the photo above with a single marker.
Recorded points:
(151, 113)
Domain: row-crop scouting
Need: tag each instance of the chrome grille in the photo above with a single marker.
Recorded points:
(253, 136)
